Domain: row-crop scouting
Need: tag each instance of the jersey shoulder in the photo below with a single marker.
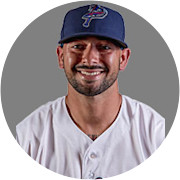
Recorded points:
(139, 109)
(35, 123)
(145, 122)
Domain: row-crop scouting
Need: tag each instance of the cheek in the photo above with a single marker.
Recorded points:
(70, 60)
(111, 61)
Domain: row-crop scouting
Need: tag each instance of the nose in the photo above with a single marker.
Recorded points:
(90, 55)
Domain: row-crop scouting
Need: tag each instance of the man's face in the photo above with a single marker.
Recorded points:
(91, 65)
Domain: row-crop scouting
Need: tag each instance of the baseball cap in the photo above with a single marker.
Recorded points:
(93, 20)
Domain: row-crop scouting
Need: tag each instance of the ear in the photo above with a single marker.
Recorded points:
(59, 52)
(124, 58)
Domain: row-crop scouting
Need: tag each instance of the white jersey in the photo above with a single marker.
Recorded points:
(50, 137)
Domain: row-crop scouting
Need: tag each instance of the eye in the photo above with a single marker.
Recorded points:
(78, 46)
(104, 47)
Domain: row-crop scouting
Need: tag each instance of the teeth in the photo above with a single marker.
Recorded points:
(90, 74)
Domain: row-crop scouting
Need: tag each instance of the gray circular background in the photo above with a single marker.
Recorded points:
(31, 76)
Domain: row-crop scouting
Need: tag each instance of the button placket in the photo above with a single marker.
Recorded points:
(91, 162)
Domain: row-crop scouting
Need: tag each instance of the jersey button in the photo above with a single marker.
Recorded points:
(93, 156)
(91, 175)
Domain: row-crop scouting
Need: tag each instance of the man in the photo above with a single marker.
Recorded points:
(94, 132)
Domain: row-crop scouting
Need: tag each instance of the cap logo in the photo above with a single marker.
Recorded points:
(95, 12)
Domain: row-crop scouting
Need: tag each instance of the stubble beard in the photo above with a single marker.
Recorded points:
(91, 90)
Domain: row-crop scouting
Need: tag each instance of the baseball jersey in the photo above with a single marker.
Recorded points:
(51, 138)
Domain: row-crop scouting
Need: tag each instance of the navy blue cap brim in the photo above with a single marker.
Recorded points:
(82, 34)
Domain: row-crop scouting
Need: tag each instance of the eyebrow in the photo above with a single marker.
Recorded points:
(98, 37)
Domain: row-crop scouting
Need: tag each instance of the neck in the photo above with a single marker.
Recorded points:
(93, 115)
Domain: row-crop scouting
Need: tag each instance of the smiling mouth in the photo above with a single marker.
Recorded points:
(90, 73)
